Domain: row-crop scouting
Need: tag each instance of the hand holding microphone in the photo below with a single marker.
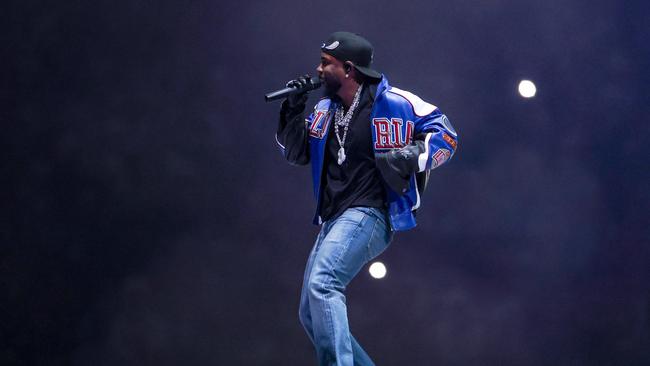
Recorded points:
(295, 91)
(300, 97)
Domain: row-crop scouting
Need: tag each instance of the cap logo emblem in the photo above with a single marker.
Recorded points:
(332, 46)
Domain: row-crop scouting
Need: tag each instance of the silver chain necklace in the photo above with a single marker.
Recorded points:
(344, 120)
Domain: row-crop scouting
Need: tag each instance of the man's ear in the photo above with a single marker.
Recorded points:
(348, 65)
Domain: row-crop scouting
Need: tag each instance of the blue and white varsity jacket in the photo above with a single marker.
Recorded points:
(410, 137)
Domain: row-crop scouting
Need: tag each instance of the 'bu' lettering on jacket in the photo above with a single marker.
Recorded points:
(410, 138)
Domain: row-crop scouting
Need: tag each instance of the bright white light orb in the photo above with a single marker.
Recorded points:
(527, 89)
(377, 270)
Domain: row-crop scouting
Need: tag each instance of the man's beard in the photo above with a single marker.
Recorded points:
(331, 87)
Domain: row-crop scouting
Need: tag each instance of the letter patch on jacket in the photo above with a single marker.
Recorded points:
(449, 140)
(392, 134)
(319, 124)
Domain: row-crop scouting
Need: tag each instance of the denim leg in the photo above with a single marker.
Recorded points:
(304, 314)
(348, 243)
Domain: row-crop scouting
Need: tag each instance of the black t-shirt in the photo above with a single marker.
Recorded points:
(357, 182)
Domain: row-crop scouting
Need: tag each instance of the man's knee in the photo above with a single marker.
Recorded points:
(324, 284)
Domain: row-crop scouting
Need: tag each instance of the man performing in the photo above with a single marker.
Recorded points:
(371, 148)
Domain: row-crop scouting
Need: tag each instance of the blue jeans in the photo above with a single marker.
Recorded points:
(344, 245)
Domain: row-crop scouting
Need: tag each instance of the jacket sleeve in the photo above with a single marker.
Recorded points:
(292, 135)
(436, 141)
(434, 144)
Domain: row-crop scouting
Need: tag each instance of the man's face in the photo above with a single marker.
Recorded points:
(331, 72)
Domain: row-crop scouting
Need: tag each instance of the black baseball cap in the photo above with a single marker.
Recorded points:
(347, 46)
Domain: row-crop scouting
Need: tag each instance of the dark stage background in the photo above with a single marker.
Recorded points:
(148, 218)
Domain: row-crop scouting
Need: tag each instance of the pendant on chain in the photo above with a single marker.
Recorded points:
(341, 158)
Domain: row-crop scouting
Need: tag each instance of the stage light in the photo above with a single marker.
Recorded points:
(527, 89)
(377, 270)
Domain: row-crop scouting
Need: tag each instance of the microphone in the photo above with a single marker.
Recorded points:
(283, 93)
